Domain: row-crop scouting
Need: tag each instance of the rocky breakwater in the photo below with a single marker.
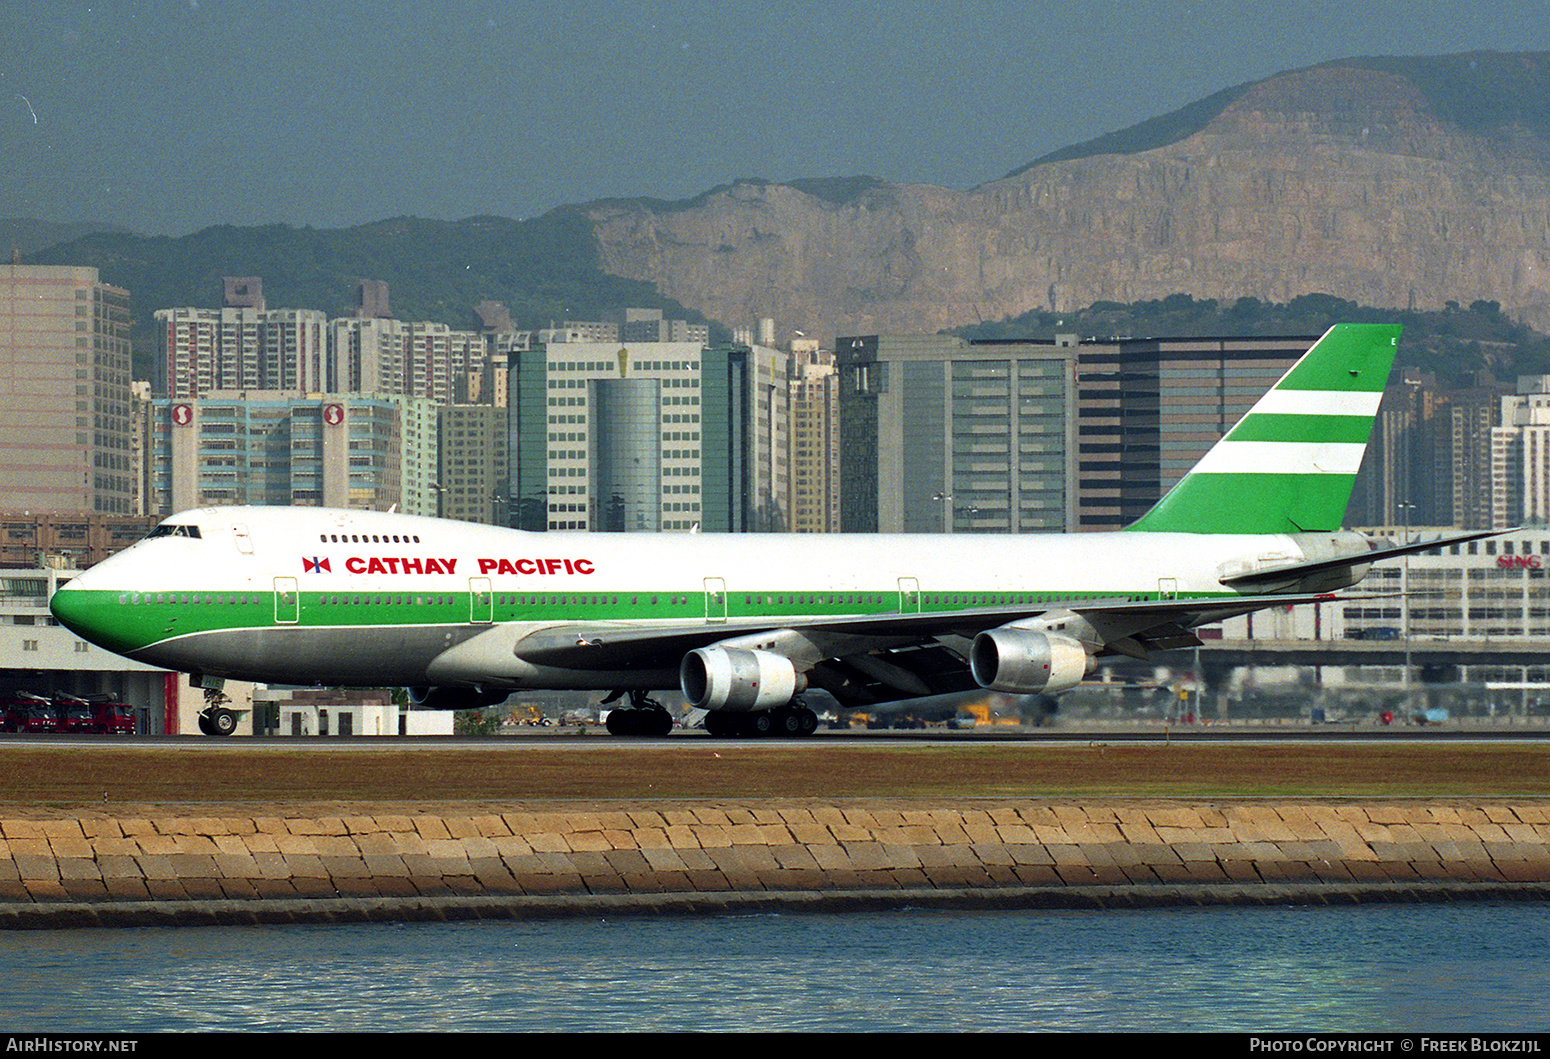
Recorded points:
(162, 865)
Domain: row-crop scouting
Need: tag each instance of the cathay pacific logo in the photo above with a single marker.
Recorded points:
(315, 565)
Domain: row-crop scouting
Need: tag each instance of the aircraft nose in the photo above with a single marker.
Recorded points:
(71, 608)
(91, 611)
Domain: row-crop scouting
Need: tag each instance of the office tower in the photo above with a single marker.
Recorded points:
(647, 436)
(941, 434)
(605, 436)
(64, 391)
(1149, 409)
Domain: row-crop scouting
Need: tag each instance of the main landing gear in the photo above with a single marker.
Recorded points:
(789, 721)
(643, 716)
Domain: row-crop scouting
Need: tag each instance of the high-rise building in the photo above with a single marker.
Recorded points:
(605, 437)
(472, 478)
(65, 433)
(1149, 409)
(275, 448)
(650, 325)
(419, 457)
(365, 356)
(439, 359)
(815, 440)
(1520, 457)
(648, 436)
(1473, 415)
(242, 348)
(941, 434)
(1435, 457)
(246, 346)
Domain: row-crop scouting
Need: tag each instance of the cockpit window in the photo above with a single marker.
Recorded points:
(171, 529)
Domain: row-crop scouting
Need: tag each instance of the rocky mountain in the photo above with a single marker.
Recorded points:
(1385, 181)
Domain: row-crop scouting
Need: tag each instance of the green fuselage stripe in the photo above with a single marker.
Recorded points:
(129, 625)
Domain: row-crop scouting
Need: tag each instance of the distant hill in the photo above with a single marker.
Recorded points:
(25, 235)
(1401, 184)
(1385, 181)
(544, 269)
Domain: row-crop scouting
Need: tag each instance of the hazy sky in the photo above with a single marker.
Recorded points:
(170, 115)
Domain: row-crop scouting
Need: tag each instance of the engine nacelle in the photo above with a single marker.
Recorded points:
(732, 678)
(1022, 661)
(456, 698)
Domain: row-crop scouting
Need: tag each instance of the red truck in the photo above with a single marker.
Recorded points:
(73, 713)
(111, 717)
(100, 714)
(21, 711)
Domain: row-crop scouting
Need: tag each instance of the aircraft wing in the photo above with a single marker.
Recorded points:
(1298, 572)
(863, 659)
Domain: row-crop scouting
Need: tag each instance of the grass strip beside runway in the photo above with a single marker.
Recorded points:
(109, 775)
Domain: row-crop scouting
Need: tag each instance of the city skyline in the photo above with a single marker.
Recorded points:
(166, 118)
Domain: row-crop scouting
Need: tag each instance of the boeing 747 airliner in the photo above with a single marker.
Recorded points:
(465, 614)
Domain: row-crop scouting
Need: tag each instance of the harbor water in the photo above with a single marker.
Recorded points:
(1382, 968)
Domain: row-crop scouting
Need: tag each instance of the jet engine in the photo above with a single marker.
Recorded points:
(1022, 661)
(455, 698)
(732, 678)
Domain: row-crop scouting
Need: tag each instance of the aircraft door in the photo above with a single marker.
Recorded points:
(287, 601)
(909, 595)
(240, 537)
(1167, 588)
(481, 601)
(715, 599)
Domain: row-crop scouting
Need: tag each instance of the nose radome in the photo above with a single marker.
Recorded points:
(69, 606)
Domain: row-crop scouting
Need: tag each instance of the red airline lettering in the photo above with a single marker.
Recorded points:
(399, 565)
(394, 564)
(530, 567)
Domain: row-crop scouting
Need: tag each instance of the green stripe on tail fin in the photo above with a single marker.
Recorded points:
(1289, 464)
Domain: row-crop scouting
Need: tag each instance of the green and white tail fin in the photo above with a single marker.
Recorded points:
(1289, 464)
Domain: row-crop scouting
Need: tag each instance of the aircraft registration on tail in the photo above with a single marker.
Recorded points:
(744, 624)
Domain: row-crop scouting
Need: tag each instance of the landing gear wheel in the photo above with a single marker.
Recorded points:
(786, 721)
(807, 721)
(760, 723)
(221, 722)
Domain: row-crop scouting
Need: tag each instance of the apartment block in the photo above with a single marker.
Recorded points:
(471, 482)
